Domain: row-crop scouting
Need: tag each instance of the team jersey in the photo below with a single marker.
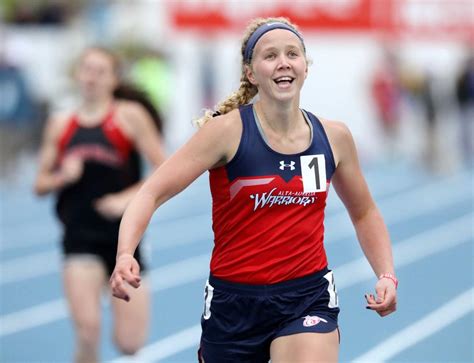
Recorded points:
(268, 207)
(109, 167)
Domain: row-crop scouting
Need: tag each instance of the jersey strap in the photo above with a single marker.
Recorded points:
(67, 135)
(116, 136)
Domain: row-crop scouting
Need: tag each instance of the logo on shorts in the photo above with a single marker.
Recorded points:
(312, 320)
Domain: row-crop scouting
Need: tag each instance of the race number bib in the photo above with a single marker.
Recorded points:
(313, 173)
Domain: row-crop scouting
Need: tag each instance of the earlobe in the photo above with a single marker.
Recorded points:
(249, 74)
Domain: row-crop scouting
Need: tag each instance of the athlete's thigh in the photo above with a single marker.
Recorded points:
(131, 318)
(84, 278)
(305, 347)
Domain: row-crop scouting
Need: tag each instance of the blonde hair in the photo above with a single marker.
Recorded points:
(247, 90)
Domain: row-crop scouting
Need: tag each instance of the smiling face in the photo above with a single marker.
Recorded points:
(96, 74)
(278, 66)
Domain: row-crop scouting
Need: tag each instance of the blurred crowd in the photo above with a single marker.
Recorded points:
(402, 92)
(51, 12)
(403, 95)
(24, 110)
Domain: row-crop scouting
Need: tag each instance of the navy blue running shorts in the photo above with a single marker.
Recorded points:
(240, 321)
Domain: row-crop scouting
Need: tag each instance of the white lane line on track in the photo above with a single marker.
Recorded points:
(412, 249)
(40, 264)
(396, 209)
(168, 276)
(49, 233)
(422, 245)
(166, 347)
(30, 206)
(31, 266)
(29, 237)
(430, 324)
(408, 251)
(400, 208)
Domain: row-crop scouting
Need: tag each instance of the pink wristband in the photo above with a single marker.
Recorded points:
(391, 277)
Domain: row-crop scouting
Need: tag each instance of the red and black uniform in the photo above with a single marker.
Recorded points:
(110, 166)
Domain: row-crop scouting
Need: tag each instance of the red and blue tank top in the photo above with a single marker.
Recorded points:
(268, 207)
(110, 165)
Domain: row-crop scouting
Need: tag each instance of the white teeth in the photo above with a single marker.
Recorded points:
(284, 79)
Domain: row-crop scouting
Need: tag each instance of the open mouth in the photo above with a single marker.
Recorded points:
(285, 80)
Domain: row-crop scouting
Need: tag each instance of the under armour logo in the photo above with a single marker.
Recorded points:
(291, 165)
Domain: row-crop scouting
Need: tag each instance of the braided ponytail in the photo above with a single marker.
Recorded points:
(243, 95)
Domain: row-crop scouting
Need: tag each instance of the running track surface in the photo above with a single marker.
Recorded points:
(430, 219)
